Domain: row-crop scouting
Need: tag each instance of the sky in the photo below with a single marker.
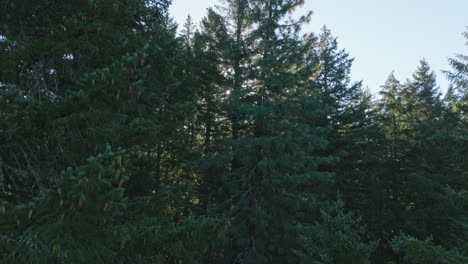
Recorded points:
(381, 35)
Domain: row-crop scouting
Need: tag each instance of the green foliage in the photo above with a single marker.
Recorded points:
(237, 136)
(416, 251)
(339, 238)
(75, 220)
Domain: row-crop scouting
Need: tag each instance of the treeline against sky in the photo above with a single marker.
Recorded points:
(241, 140)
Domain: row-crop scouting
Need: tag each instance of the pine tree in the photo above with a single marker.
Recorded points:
(276, 184)
(411, 116)
(348, 112)
(334, 68)
(355, 139)
(76, 220)
(64, 114)
(125, 96)
(423, 251)
(391, 106)
(338, 238)
(459, 78)
(425, 91)
(455, 117)
(209, 125)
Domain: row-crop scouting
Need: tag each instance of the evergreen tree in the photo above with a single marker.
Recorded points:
(338, 238)
(391, 106)
(424, 251)
(459, 78)
(77, 220)
(234, 140)
(276, 183)
(411, 116)
(126, 97)
(63, 114)
(334, 68)
(209, 124)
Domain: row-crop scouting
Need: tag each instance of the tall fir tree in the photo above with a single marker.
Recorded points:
(274, 181)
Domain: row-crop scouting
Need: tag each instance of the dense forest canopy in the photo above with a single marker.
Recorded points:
(241, 140)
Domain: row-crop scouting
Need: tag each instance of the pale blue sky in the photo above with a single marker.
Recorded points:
(382, 35)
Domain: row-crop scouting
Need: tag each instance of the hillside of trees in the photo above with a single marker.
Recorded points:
(125, 138)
